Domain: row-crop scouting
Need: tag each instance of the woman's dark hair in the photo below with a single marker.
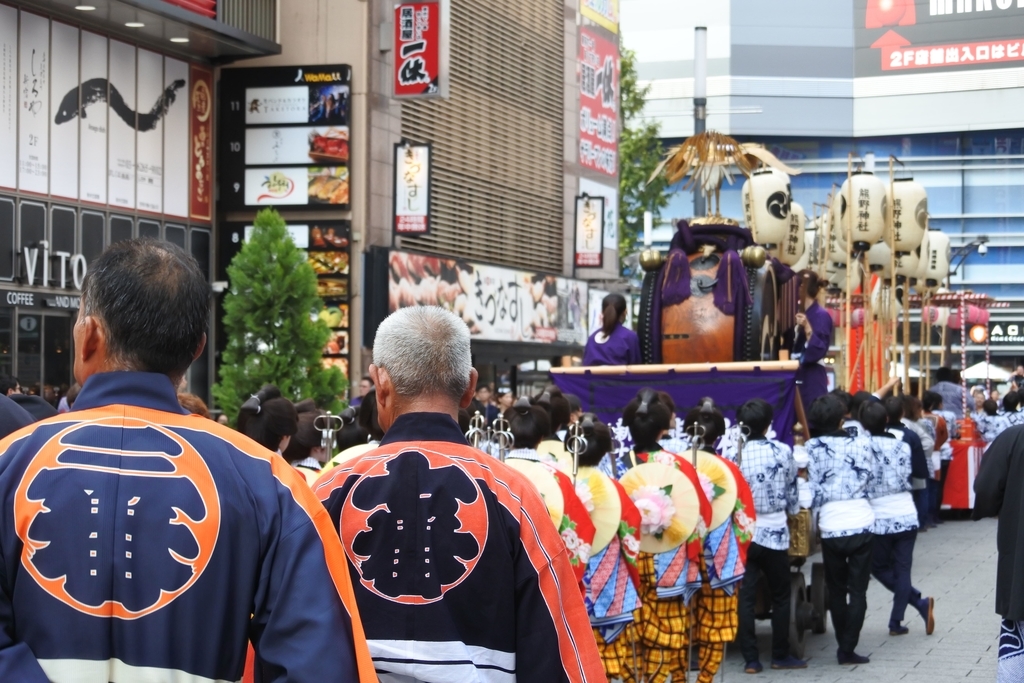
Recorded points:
(708, 416)
(756, 414)
(307, 437)
(1011, 401)
(154, 302)
(813, 282)
(367, 417)
(826, 415)
(846, 398)
(350, 434)
(599, 440)
(647, 417)
(613, 307)
(990, 407)
(932, 400)
(529, 424)
(859, 399)
(667, 399)
(266, 418)
(894, 408)
(874, 418)
(911, 407)
(557, 406)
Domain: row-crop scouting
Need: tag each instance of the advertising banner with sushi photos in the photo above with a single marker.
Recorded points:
(498, 304)
(89, 118)
(328, 250)
(284, 137)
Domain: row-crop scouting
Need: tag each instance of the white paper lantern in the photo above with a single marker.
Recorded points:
(879, 259)
(791, 249)
(766, 205)
(908, 263)
(840, 281)
(809, 258)
(936, 265)
(909, 214)
(867, 194)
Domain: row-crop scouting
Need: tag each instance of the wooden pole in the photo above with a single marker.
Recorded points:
(849, 265)
(906, 334)
(869, 318)
(892, 262)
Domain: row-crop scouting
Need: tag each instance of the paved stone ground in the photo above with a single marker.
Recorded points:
(955, 564)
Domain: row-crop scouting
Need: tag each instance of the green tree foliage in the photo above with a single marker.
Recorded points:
(273, 335)
(640, 152)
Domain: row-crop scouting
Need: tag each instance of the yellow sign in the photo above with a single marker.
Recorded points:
(602, 12)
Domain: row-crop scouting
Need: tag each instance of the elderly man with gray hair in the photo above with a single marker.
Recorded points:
(458, 571)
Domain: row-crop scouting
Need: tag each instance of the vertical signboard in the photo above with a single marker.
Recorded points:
(589, 232)
(418, 54)
(64, 130)
(34, 107)
(122, 123)
(8, 96)
(201, 144)
(285, 137)
(610, 193)
(176, 145)
(602, 12)
(150, 145)
(412, 189)
(599, 88)
(92, 172)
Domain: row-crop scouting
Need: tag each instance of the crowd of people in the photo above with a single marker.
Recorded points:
(381, 545)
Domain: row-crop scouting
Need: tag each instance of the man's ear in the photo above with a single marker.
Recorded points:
(470, 393)
(201, 347)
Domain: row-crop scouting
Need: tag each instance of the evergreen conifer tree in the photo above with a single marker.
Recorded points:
(273, 333)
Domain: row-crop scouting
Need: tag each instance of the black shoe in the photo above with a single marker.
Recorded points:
(849, 658)
(789, 662)
(897, 630)
(753, 667)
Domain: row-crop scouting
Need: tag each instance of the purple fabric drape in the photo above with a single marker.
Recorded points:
(607, 395)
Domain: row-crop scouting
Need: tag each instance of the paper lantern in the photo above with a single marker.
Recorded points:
(856, 318)
(908, 263)
(841, 282)
(837, 319)
(810, 251)
(937, 263)
(791, 249)
(880, 259)
(909, 214)
(935, 315)
(766, 205)
(975, 316)
(867, 194)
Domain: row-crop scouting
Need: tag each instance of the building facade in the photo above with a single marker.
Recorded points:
(106, 133)
(934, 83)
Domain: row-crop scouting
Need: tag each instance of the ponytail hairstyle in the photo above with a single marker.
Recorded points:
(813, 282)
(557, 406)
(647, 417)
(267, 417)
(528, 423)
(708, 416)
(598, 438)
(367, 417)
(307, 437)
(613, 307)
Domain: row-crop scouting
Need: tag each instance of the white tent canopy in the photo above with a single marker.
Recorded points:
(987, 371)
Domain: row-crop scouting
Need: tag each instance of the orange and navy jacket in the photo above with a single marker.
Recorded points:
(142, 543)
(458, 571)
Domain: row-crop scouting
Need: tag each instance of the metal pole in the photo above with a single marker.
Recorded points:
(700, 102)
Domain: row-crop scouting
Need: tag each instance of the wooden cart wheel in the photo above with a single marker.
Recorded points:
(800, 612)
(819, 598)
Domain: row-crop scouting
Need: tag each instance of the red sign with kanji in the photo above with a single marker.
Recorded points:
(201, 148)
(599, 100)
(417, 49)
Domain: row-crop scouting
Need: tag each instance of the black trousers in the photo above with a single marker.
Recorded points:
(847, 572)
(892, 559)
(775, 566)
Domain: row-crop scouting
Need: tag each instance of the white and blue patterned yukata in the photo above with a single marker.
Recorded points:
(840, 469)
(770, 471)
(891, 478)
